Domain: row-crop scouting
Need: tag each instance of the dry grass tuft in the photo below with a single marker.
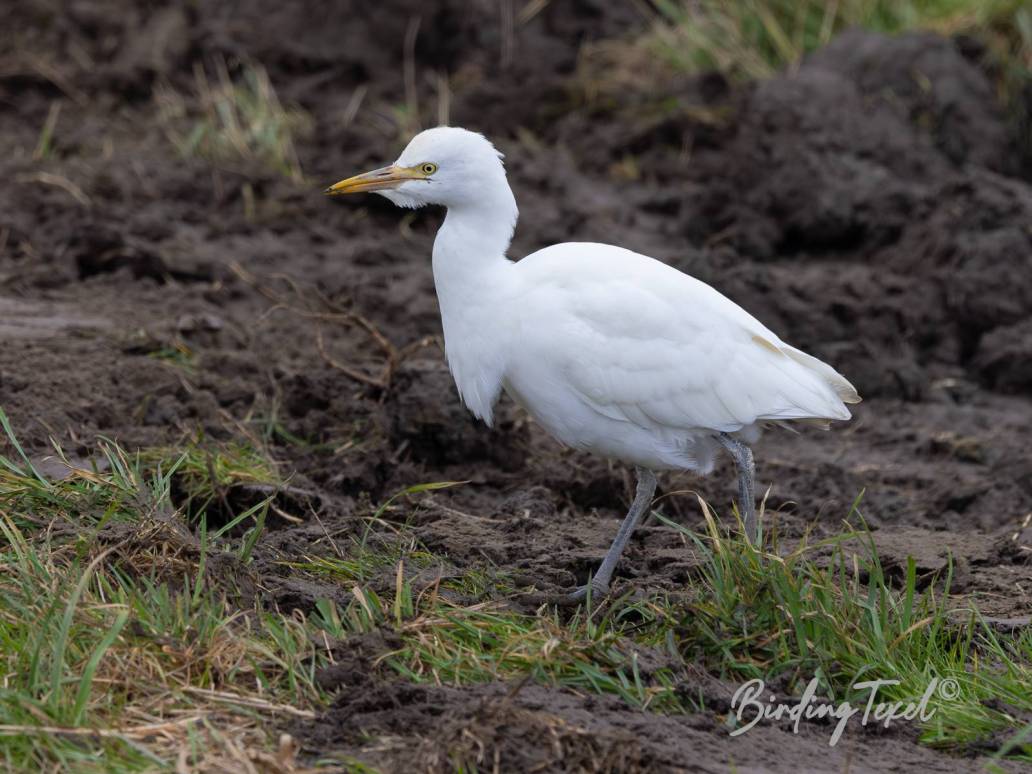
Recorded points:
(756, 38)
(234, 121)
(123, 641)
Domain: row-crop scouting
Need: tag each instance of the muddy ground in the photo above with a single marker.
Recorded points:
(872, 208)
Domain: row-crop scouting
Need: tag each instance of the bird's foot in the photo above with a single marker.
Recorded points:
(595, 587)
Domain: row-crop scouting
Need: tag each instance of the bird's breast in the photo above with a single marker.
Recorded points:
(475, 352)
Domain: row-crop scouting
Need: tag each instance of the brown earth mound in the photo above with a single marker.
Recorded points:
(868, 207)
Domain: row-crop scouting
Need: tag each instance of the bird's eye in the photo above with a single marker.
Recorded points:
(428, 168)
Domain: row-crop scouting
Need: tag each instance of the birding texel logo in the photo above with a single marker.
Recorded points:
(751, 704)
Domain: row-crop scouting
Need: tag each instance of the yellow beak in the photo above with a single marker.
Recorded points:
(377, 180)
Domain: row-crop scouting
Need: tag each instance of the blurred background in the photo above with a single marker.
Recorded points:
(856, 173)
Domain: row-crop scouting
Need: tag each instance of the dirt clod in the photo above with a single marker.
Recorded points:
(867, 206)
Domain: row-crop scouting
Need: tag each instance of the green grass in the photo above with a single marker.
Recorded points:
(177, 354)
(45, 143)
(827, 610)
(235, 120)
(209, 474)
(186, 659)
(120, 651)
(459, 644)
(756, 38)
(114, 627)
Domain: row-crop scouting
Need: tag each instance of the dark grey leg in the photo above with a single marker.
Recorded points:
(743, 457)
(599, 583)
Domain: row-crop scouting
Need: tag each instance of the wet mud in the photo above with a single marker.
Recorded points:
(871, 207)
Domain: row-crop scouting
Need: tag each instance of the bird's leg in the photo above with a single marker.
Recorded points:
(599, 583)
(743, 457)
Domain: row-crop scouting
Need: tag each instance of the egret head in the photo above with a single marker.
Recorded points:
(445, 165)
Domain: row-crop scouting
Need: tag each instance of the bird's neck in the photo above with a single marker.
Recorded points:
(473, 279)
(469, 252)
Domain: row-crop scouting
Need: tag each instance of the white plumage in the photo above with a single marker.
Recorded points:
(622, 355)
(610, 351)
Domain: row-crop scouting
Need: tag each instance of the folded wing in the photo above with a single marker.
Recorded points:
(641, 342)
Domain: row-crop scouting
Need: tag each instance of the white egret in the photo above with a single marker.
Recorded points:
(609, 350)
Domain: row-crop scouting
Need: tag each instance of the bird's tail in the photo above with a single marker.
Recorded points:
(846, 392)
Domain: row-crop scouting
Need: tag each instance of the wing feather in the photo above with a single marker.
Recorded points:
(641, 342)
